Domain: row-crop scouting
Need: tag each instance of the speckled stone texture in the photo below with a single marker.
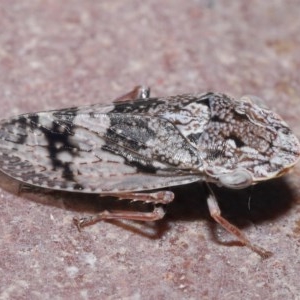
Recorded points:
(55, 54)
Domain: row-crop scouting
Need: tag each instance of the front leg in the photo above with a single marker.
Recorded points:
(161, 197)
(215, 212)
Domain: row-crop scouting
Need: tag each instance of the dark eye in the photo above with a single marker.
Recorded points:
(285, 130)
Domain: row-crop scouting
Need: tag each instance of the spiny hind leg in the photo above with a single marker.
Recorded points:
(161, 197)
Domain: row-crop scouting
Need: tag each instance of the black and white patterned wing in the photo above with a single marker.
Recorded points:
(97, 149)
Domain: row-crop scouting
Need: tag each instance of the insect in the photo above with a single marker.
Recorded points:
(138, 145)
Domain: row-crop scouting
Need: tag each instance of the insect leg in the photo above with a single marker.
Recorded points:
(215, 212)
(23, 188)
(28, 188)
(163, 197)
(139, 92)
(158, 213)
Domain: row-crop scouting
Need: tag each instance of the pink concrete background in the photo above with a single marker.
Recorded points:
(55, 54)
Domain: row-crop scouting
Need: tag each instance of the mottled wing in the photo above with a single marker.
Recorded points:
(97, 149)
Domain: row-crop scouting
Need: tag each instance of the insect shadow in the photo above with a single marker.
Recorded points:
(264, 201)
(254, 205)
(258, 203)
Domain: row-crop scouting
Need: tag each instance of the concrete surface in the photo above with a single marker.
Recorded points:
(55, 54)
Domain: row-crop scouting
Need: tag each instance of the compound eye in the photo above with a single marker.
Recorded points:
(237, 179)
